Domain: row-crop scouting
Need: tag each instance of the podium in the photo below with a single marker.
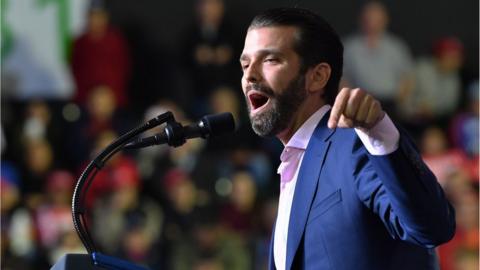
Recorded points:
(75, 262)
(95, 261)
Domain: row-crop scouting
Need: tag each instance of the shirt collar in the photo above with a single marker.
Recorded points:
(302, 136)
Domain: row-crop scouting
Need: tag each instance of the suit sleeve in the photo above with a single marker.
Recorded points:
(404, 193)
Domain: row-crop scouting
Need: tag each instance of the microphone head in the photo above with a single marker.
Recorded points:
(218, 124)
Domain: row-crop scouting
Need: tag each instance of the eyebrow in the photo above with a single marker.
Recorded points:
(262, 52)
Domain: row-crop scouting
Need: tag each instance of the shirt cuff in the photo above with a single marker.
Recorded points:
(381, 139)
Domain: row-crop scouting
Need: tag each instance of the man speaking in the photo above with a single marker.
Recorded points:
(354, 193)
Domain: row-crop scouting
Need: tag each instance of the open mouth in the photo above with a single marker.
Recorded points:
(258, 100)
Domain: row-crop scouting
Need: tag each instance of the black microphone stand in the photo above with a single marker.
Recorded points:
(95, 259)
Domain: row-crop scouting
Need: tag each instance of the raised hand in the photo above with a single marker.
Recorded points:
(355, 108)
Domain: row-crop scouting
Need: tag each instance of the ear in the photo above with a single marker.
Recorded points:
(317, 77)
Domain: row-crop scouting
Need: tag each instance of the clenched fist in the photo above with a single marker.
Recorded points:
(355, 108)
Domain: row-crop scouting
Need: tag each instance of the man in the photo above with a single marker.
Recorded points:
(356, 198)
(378, 60)
(100, 56)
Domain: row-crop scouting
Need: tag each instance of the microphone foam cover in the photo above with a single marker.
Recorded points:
(218, 124)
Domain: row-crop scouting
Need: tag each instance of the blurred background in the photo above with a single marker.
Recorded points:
(77, 74)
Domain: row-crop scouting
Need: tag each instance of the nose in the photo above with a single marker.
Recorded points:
(251, 74)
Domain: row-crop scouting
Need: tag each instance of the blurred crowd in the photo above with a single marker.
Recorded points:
(208, 204)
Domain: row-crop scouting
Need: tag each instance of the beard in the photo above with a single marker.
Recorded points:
(283, 106)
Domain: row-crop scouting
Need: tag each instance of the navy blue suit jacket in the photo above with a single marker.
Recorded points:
(353, 210)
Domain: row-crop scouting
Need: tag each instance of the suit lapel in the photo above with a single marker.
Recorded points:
(306, 186)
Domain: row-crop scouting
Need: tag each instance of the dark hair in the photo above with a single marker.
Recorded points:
(316, 41)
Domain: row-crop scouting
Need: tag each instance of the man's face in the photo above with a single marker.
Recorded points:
(374, 18)
(271, 82)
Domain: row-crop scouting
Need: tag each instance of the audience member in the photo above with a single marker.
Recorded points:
(239, 212)
(18, 246)
(180, 205)
(439, 157)
(33, 121)
(210, 52)
(38, 161)
(100, 114)
(464, 197)
(212, 247)
(464, 130)
(100, 56)
(377, 60)
(53, 218)
(120, 210)
(37, 120)
(437, 90)
(268, 215)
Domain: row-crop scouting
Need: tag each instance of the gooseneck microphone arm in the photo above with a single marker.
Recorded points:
(85, 180)
(174, 134)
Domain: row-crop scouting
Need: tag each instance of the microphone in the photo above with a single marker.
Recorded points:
(175, 134)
